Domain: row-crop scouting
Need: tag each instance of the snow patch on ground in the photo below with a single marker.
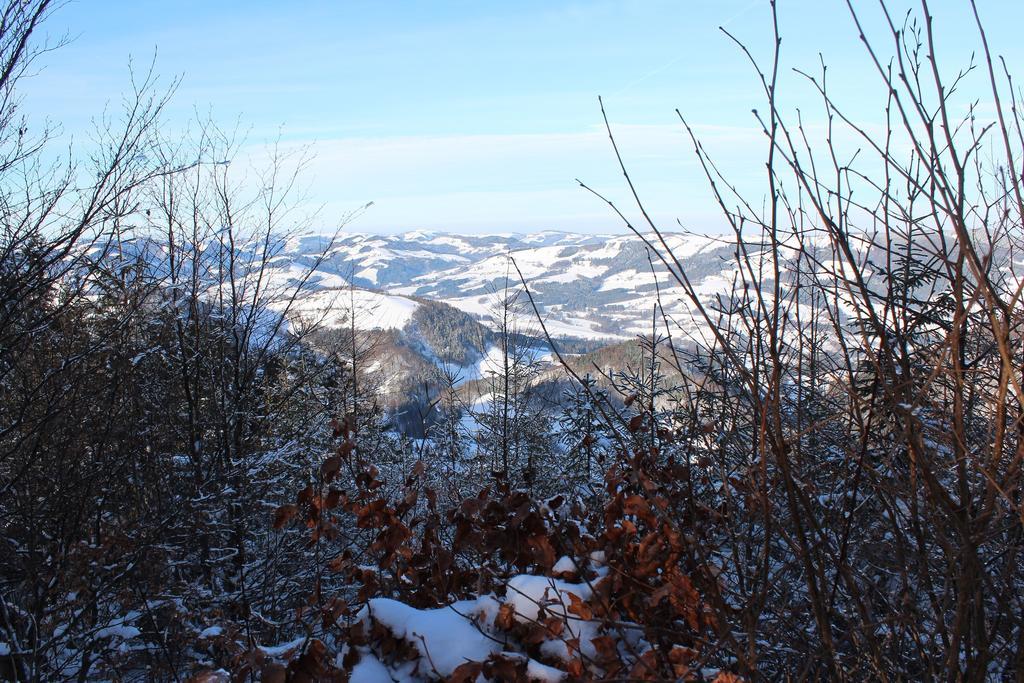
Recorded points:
(370, 670)
(119, 631)
(464, 631)
(528, 594)
(445, 637)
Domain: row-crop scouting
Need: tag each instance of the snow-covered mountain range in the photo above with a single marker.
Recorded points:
(598, 287)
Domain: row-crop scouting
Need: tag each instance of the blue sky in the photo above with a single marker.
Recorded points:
(477, 116)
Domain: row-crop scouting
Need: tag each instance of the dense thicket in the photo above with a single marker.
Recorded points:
(819, 478)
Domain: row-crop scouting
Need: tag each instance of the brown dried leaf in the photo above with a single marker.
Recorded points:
(506, 616)
(329, 468)
(273, 672)
(543, 551)
(638, 506)
(606, 650)
(283, 515)
(681, 657)
(466, 673)
(579, 608)
(646, 668)
(726, 677)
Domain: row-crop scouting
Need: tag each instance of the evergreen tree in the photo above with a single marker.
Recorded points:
(585, 434)
(514, 434)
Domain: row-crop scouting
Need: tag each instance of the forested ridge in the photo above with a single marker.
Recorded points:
(817, 475)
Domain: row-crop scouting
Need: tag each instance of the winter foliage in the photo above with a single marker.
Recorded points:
(222, 458)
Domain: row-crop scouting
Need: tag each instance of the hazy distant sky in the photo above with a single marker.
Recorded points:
(471, 116)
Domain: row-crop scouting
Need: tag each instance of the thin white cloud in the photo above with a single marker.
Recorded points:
(510, 180)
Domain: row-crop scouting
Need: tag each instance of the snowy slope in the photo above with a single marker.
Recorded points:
(587, 286)
(368, 310)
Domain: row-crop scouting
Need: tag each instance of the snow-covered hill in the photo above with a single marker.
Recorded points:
(596, 287)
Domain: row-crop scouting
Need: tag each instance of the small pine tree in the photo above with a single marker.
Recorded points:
(514, 436)
(584, 433)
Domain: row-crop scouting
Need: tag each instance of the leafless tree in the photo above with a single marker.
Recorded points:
(857, 394)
